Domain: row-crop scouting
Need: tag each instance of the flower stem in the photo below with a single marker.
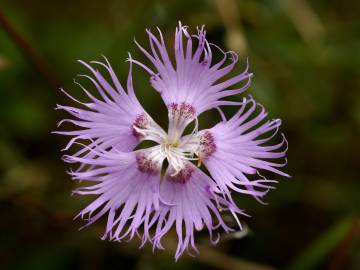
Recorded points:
(28, 51)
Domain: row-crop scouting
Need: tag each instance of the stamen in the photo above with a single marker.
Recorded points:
(149, 134)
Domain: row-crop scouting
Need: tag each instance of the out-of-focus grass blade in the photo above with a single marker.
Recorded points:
(321, 247)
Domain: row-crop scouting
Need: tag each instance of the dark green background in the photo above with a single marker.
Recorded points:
(305, 56)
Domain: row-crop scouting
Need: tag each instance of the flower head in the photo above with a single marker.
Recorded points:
(147, 192)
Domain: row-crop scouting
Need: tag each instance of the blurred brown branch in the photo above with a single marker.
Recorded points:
(29, 52)
(4, 62)
(215, 258)
(211, 256)
(305, 19)
(235, 37)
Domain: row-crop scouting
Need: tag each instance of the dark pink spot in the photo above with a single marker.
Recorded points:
(183, 176)
(142, 122)
(207, 144)
(146, 165)
(183, 110)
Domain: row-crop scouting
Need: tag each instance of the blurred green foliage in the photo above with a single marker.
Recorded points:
(306, 73)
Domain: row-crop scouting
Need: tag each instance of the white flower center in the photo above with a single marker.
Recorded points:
(177, 150)
(177, 156)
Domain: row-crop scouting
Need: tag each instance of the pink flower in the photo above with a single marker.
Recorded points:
(131, 189)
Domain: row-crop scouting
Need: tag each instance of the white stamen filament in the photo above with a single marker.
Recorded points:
(151, 134)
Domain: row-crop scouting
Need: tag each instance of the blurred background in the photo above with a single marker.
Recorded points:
(305, 56)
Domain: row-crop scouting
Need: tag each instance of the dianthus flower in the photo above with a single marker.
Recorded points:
(140, 193)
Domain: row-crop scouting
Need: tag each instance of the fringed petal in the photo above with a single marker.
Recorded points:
(126, 193)
(193, 77)
(109, 119)
(193, 202)
(234, 149)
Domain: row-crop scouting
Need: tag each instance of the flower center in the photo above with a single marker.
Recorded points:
(177, 156)
(177, 150)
